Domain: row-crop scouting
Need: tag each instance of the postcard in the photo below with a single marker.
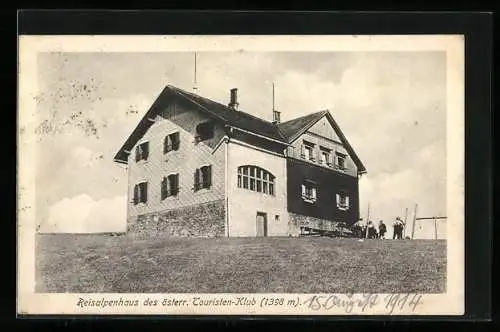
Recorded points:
(241, 175)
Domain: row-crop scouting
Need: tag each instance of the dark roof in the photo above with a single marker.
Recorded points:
(294, 128)
(285, 132)
(234, 118)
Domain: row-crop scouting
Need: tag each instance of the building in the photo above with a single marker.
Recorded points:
(200, 168)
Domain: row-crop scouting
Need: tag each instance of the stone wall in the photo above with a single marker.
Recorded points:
(298, 221)
(200, 220)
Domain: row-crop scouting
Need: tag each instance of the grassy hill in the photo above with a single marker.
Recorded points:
(103, 264)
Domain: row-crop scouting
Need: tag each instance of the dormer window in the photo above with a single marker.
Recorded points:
(142, 152)
(340, 160)
(204, 131)
(307, 151)
(309, 193)
(171, 142)
(324, 156)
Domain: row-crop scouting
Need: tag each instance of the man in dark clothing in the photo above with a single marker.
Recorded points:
(372, 232)
(398, 229)
(382, 229)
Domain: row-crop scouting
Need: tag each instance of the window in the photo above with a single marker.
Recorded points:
(142, 151)
(140, 193)
(171, 142)
(342, 201)
(307, 151)
(170, 186)
(340, 160)
(204, 131)
(325, 156)
(309, 191)
(256, 179)
(203, 178)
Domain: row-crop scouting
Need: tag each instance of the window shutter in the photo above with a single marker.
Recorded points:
(146, 150)
(175, 184)
(347, 201)
(196, 179)
(303, 190)
(302, 150)
(164, 188)
(338, 199)
(138, 153)
(176, 142)
(209, 176)
(144, 194)
(314, 193)
(136, 194)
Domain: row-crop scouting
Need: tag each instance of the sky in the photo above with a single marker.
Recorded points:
(390, 105)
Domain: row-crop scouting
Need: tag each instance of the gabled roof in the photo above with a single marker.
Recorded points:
(294, 128)
(285, 132)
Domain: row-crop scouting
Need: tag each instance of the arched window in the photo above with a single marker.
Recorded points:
(256, 179)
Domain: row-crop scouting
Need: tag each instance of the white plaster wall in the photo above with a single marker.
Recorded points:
(243, 204)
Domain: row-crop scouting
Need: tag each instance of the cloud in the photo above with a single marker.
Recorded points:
(83, 214)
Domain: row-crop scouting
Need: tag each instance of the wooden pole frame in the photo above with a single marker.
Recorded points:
(413, 226)
(434, 219)
(367, 220)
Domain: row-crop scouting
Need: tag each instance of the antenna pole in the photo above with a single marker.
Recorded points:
(273, 97)
(195, 87)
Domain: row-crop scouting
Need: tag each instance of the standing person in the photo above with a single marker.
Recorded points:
(396, 227)
(357, 228)
(371, 230)
(382, 229)
(401, 228)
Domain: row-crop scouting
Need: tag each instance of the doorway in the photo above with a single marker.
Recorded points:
(261, 224)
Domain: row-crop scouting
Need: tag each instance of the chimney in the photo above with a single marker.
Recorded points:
(233, 103)
(276, 116)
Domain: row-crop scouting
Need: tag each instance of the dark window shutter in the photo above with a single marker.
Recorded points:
(146, 150)
(164, 188)
(143, 192)
(138, 153)
(175, 141)
(175, 184)
(196, 179)
(136, 194)
(209, 176)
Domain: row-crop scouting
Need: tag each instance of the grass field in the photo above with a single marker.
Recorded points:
(103, 264)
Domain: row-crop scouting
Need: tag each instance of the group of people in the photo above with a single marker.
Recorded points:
(361, 230)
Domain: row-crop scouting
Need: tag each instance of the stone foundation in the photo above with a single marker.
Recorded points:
(297, 223)
(205, 220)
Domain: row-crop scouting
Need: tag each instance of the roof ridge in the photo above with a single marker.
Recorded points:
(310, 114)
(221, 104)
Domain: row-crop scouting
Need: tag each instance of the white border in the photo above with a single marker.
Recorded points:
(29, 302)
